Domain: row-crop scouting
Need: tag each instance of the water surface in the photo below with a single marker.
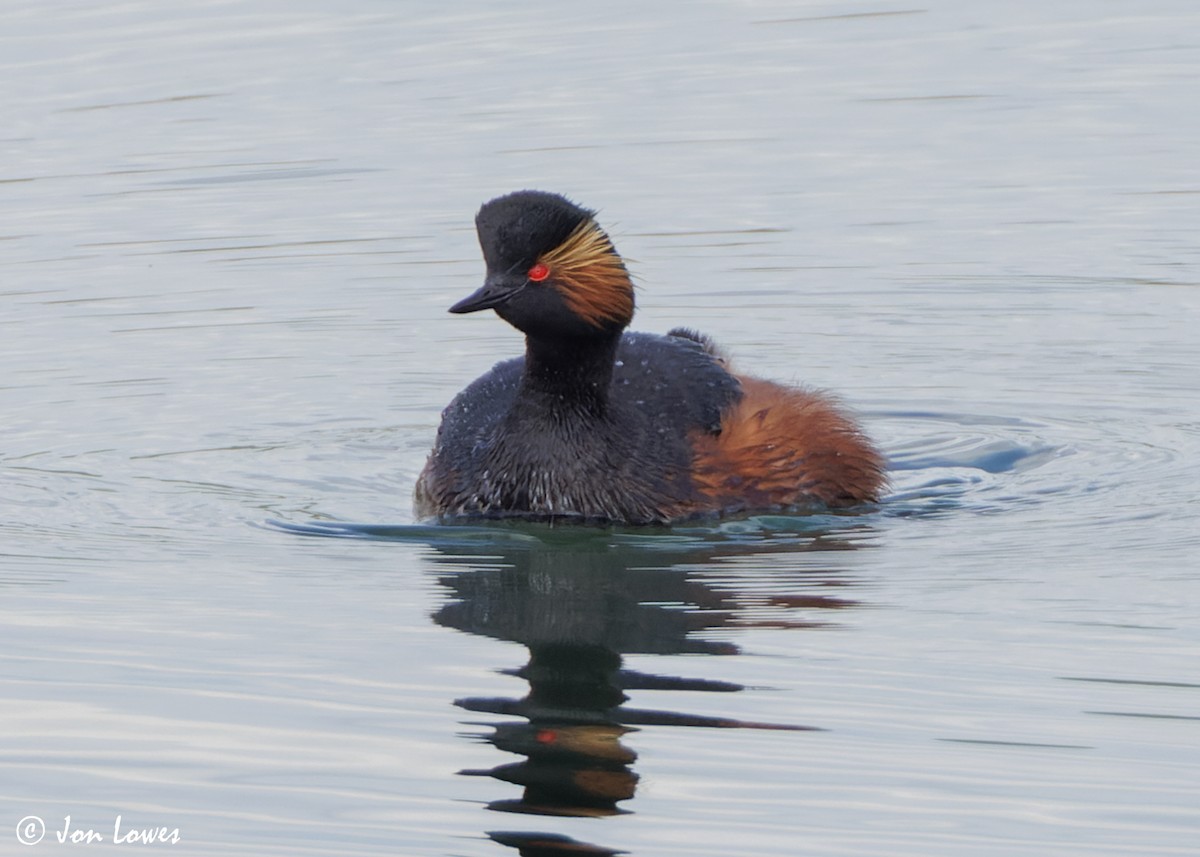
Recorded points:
(229, 233)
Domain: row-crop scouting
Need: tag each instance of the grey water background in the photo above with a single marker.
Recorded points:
(228, 235)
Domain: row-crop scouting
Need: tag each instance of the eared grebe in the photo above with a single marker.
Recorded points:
(595, 424)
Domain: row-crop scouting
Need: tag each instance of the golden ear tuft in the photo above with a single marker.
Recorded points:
(591, 277)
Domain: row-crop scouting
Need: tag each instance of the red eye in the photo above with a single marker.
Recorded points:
(538, 272)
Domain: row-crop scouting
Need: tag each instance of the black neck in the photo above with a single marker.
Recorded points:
(572, 374)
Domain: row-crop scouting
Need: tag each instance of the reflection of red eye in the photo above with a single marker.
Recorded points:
(538, 272)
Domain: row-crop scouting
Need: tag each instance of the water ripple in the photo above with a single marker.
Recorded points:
(987, 463)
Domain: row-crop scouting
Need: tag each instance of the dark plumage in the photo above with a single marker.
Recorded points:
(600, 425)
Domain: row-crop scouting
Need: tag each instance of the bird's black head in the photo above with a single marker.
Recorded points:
(551, 270)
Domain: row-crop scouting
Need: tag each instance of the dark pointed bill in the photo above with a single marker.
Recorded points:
(491, 294)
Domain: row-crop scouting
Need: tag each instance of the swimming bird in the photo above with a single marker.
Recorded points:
(597, 424)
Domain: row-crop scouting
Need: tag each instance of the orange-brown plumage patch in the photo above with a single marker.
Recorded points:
(780, 447)
(586, 269)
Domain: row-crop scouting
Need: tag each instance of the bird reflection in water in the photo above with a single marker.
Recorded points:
(580, 600)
